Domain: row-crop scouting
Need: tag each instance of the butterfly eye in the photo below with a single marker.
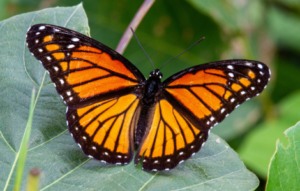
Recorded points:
(156, 73)
(159, 74)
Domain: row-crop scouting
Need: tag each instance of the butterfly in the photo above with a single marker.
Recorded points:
(112, 107)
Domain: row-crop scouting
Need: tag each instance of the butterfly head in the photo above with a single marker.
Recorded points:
(155, 74)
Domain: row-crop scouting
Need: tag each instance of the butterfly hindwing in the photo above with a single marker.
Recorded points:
(105, 130)
(208, 93)
(171, 139)
(83, 70)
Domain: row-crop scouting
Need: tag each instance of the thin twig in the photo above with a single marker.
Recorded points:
(134, 24)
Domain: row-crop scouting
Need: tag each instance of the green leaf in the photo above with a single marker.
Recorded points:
(284, 171)
(53, 150)
(231, 15)
(279, 21)
(239, 121)
(19, 72)
(259, 146)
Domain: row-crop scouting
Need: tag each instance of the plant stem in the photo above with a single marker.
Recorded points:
(134, 24)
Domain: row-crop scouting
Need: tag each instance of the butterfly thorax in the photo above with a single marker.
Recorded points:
(152, 87)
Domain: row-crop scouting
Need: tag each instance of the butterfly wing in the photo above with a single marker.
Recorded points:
(104, 130)
(192, 102)
(99, 86)
(83, 70)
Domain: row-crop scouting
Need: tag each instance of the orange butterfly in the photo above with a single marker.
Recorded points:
(112, 107)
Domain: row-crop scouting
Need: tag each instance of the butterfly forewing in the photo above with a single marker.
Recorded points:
(208, 93)
(83, 70)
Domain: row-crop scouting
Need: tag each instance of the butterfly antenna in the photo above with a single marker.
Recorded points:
(182, 52)
(142, 47)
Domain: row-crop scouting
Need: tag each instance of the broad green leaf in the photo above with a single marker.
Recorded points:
(279, 21)
(19, 72)
(239, 121)
(259, 146)
(232, 15)
(53, 150)
(284, 170)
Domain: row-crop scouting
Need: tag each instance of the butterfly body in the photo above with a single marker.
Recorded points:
(112, 107)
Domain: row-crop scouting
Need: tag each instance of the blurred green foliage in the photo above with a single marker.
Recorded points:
(262, 30)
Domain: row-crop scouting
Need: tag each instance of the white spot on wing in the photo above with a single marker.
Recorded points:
(94, 148)
(222, 110)
(55, 68)
(75, 39)
(36, 41)
(68, 93)
(260, 66)
(230, 67)
(231, 75)
(40, 50)
(61, 81)
(252, 88)
(232, 100)
(37, 33)
(248, 63)
(243, 92)
(212, 118)
(48, 58)
(56, 30)
(42, 27)
(71, 46)
(261, 73)
(258, 80)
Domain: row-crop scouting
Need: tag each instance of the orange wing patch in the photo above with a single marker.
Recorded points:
(201, 77)
(81, 68)
(104, 130)
(170, 140)
(211, 94)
